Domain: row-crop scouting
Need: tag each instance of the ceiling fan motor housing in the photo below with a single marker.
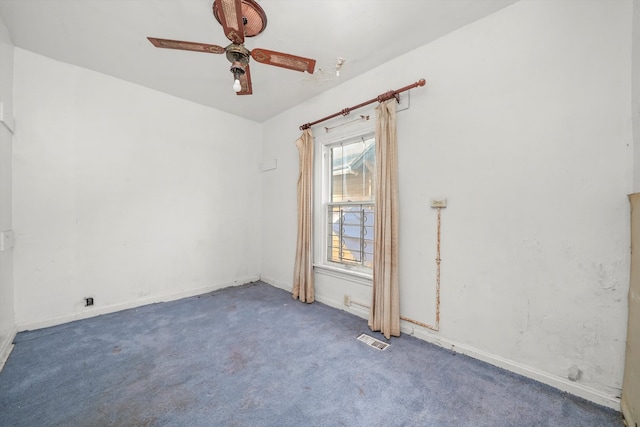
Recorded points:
(237, 53)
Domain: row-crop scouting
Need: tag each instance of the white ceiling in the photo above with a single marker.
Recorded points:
(109, 36)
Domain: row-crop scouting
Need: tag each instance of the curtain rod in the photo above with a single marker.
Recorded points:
(380, 98)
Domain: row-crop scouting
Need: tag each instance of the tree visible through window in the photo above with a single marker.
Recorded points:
(351, 202)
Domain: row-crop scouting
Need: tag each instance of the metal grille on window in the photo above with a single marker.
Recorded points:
(351, 234)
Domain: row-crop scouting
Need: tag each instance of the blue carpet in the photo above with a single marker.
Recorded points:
(252, 356)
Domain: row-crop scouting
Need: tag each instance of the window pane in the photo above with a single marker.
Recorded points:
(350, 237)
(353, 167)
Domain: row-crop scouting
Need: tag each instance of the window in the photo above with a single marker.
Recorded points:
(350, 171)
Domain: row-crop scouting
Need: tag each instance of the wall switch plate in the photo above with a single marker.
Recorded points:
(268, 165)
(6, 240)
(438, 203)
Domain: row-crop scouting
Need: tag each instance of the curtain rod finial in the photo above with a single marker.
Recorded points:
(422, 82)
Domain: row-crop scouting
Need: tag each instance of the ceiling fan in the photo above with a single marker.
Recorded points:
(240, 19)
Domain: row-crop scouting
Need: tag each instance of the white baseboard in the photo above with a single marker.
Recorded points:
(152, 299)
(354, 309)
(6, 346)
(560, 383)
(424, 334)
(276, 283)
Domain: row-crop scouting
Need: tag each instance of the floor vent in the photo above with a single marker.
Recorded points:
(372, 342)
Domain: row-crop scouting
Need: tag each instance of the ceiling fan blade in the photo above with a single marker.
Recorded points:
(245, 82)
(284, 60)
(229, 13)
(181, 45)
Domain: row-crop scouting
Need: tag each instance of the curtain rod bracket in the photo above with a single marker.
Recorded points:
(380, 98)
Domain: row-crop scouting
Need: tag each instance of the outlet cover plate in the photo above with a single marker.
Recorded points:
(438, 203)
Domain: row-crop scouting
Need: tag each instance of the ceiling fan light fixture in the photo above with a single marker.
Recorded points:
(237, 87)
(237, 68)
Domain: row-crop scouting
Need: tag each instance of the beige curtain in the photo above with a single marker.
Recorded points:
(303, 269)
(385, 307)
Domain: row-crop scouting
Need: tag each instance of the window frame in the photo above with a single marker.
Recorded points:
(357, 270)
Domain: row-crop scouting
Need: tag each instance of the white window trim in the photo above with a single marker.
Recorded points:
(343, 273)
(323, 143)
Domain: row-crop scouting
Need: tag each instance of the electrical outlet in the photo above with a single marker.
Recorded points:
(347, 300)
(88, 301)
(438, 203)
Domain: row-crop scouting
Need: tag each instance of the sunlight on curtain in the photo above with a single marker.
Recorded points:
(303, 269)
(384, 315)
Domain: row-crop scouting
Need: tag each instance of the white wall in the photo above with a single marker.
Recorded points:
(125, 194)
(7, 322)
(635, 73)
(525, 127)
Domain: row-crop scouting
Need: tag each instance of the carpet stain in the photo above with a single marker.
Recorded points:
(237, 362)
(128, 413)
(249, 403)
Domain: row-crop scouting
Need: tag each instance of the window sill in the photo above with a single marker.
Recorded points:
(344, 273)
